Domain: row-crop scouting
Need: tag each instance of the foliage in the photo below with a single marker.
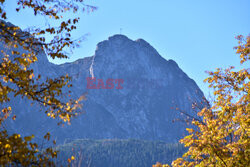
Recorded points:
(222, 137)
(118, 152)
(17, 76)
(16, 151)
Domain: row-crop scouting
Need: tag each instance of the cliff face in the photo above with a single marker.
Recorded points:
(143, 107)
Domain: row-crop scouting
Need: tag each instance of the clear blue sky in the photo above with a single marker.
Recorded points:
(197, 34)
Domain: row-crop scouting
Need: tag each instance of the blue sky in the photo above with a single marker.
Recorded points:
(197, 34)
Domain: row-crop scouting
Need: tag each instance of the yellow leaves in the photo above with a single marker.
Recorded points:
(65, 117)
(31, 76)
(72, 158)
(68, 107)
(14, 118)
(18, 73)
(190, 130)
(5, 79)
(160, 165)
(7, 146)
(54, 154)
(222, 137)
(244, 48)
(15, 52)
(165, 165)
(178, 162)
(28, 138)
(14, 149)
(17, 136)
(34, 59)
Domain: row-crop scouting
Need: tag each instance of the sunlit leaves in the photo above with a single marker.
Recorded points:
(15, 151)
(221, 138)
(17, 76)
(243, 48)
(4, 113)
(160, 165)
(61, 37)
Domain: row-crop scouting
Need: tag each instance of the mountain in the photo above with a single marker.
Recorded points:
(143, 92)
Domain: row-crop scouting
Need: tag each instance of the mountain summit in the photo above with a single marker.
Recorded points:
(133, 92)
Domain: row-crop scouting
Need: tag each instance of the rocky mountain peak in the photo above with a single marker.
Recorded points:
(118, 44)
(144, 108)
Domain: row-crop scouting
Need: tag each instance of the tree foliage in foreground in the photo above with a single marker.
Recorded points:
(222, 138)
(17, 76)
